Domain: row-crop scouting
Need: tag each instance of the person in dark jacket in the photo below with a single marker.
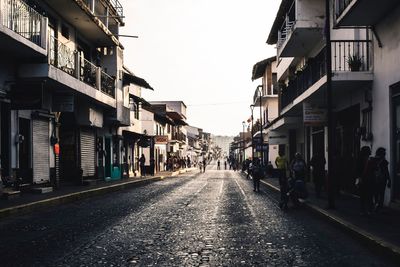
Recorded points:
(142, 162)
(318, 171)
(256, 174)
(363, 182)
(377, 170)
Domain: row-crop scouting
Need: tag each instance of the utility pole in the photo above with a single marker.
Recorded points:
(331, 125)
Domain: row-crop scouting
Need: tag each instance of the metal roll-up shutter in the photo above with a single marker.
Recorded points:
(88, 153)
(41, 151)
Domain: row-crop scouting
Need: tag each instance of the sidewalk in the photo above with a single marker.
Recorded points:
(381, 230)
(27, 202)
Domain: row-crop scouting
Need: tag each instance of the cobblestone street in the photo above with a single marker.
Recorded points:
(211, 219)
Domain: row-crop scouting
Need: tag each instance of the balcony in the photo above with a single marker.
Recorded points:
(362, 12)
(23, 31)
(98, 20)
(178, 137)
(67, 69)
(301, 29)
(351, 68)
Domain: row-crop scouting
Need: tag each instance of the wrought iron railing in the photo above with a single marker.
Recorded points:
(118, 7)
(115, 4)
(88, 72)
(64, 58)
(21, 18)
(340, 6)
(347, 55)
(61, 56)
(304, 79)
(352, 55)
(287, 26)
(107, 84)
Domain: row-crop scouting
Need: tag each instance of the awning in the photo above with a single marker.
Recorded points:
(129, 78)
(259, 68)
(140, 99)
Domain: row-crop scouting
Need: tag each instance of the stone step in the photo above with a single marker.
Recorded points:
(10, 193)
(90, 182)
(42, 190)
(25, 187)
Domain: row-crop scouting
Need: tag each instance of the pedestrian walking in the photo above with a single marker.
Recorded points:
(364, 182)
(152, 166)
(298, 167)
(218, 165)
(142, 162)
(225, 164)
(256, 174)
(281, 163)
(318, 172)
(204, 165)
(378, 172)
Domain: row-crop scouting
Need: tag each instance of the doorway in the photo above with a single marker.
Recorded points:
(396, 145)
(24, 150)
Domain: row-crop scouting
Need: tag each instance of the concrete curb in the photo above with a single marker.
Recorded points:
(384, 246)
(68, 198)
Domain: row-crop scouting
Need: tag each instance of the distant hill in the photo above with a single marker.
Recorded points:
(222, 142)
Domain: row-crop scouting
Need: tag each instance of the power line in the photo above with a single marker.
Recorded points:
(216, 104)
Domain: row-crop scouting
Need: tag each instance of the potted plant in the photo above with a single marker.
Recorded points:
(355, 62)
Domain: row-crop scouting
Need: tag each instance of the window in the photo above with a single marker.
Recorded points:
(65, 31)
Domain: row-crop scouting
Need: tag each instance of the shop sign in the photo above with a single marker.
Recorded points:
(161, 139)
(277, 138)
(313, 115)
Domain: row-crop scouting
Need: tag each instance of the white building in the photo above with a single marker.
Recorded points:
(298, 33)
(380, 124)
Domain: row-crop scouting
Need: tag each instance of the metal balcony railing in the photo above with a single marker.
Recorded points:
(65, 59)
(61, 56)
(118, 7)
(88, 72)
(107, 84)
(347, 55)
(340, 6)
(287, 26)
(19, 17)
(352, 55)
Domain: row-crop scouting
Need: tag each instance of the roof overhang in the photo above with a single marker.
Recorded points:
(259, 68)
(130, 78)
(140, 100)
(279, 19)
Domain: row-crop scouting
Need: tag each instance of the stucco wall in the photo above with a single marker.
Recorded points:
(386, 64)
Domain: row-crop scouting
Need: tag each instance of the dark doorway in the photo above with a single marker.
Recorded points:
(347, 146)
(107, 164)
(396, 145)
(68, 149)
(318, 141)
(5, 156)
(24, 150)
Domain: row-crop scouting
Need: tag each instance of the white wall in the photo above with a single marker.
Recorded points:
(386, 73)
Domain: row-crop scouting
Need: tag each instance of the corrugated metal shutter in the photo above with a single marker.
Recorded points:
(88, 153)
(41, 151)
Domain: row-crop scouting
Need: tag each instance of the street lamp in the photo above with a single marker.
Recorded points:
(259, 92)
(244, 141)
(252, 131)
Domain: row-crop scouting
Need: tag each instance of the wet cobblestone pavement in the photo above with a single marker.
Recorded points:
(211, 219)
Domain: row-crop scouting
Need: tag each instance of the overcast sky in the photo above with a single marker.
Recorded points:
(201, 52)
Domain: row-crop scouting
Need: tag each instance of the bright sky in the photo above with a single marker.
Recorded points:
(201, 52)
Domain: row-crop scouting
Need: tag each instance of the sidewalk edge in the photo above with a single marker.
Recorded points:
(24, 208)
(385, 246)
